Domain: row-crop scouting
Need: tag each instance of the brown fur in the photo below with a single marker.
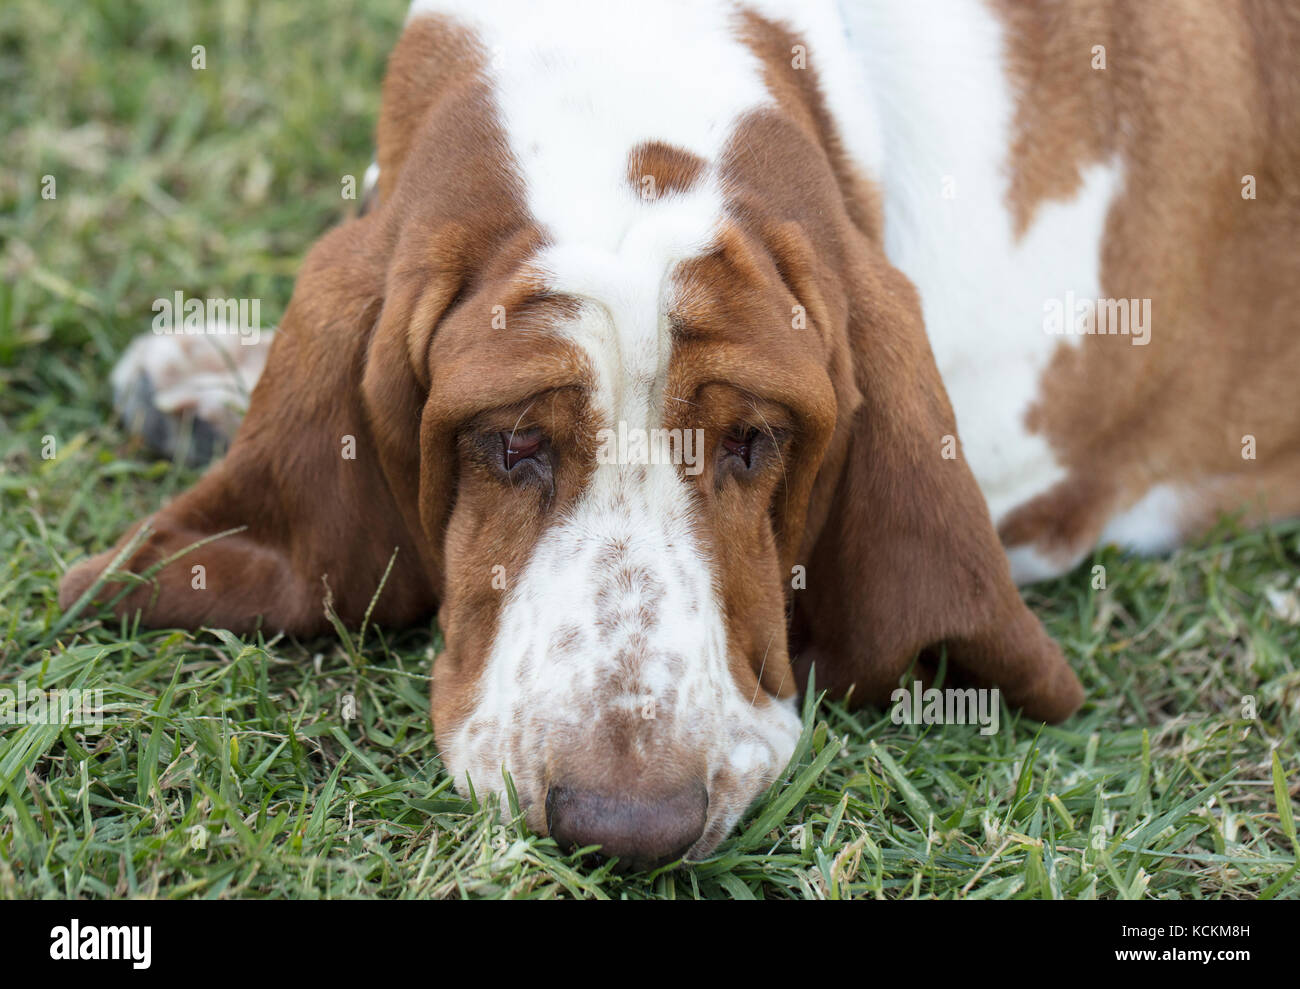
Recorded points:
(389, 339)
(900, 552)
(1195, 95)
(656, 169)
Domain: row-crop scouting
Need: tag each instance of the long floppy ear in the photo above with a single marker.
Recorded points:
(303, 481)
(902, 554)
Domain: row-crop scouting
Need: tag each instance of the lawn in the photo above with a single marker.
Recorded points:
(227, 767)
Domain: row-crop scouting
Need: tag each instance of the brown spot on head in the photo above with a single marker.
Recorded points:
(655, 169)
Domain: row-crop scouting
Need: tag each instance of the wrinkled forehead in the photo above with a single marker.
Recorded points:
(623, 166)
(617, 148)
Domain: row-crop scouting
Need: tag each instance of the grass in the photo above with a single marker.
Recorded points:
(227, 766)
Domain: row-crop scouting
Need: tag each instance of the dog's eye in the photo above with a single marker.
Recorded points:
(519, 446)
(740, 443)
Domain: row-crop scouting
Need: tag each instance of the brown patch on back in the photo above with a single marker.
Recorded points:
(656, 169)
(1069, 113)
(1189, 105)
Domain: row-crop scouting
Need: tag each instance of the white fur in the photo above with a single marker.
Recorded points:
(1152, 524)
(615, 616)
(1030, 564)
(946, 110)
(1155, 523)
(210, 375)
(920, 94)
(577, 86)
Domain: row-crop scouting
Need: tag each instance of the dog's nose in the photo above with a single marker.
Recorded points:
(643, 832)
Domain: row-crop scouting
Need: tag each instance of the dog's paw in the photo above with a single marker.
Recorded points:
(184, 395)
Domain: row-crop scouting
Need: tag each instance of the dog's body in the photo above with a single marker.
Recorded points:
(603, 218)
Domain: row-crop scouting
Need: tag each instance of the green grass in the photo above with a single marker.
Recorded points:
(226, 767)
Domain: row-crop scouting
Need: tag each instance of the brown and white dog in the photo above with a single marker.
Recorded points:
(652, 358)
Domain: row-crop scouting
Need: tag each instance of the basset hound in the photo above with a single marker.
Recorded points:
(694, 344)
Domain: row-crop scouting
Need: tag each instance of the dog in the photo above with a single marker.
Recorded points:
(694, 346)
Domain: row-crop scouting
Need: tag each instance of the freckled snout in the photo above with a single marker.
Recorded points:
(643, 832)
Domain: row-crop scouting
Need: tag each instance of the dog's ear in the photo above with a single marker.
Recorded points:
(304, 481)
(902, 554)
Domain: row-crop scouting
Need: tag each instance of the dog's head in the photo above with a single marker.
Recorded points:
(639, 425)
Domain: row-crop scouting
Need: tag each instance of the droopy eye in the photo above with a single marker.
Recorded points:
(520, 446)
(740, 443)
